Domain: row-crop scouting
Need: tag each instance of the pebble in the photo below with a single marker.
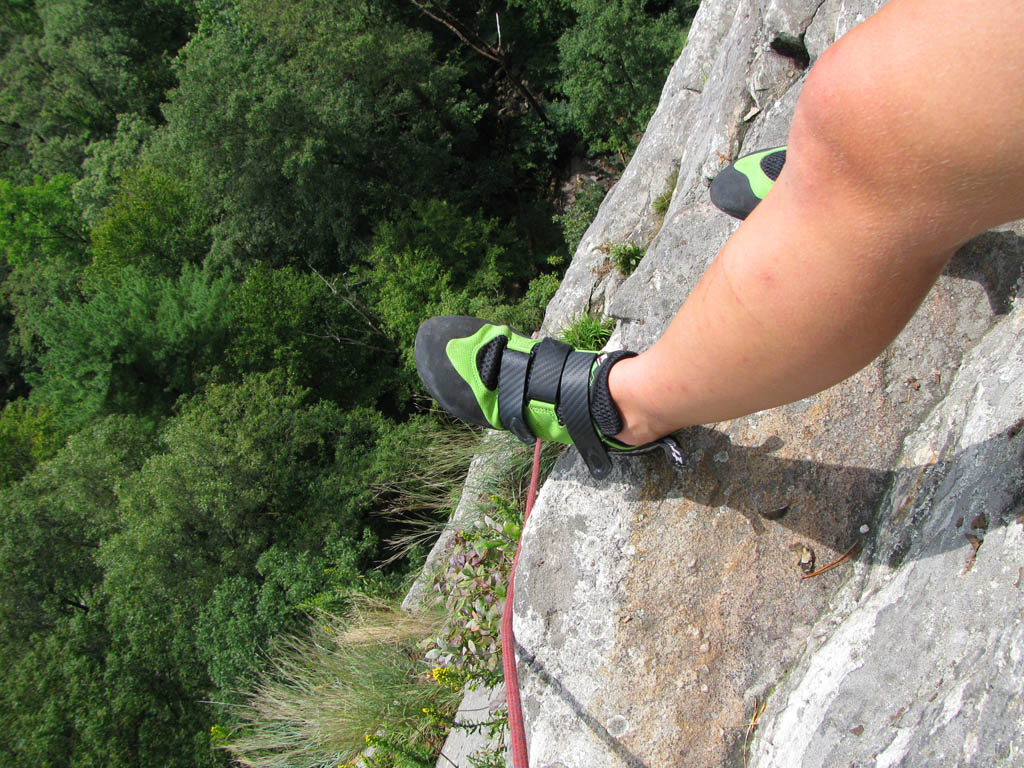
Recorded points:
(865, 528)
(618, 726)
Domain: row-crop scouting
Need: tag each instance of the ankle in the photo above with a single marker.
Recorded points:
(626, 386)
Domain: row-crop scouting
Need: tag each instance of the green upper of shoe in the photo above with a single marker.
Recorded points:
(540, 416)
(752, 167)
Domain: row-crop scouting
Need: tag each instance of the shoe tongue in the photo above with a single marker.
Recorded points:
(603, 410)
(488, 361)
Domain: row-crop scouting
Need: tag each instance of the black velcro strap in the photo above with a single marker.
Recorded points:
(512, 394)
(546, 372)
(574, 405)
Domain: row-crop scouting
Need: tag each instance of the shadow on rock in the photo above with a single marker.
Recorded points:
(827, 503)
(614, 744)
(994, 261)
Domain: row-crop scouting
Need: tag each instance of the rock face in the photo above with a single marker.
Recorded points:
(658, 611)
(922, 660)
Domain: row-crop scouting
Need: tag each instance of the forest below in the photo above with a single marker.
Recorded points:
(221, 222)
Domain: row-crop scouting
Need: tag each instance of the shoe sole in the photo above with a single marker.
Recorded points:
(739, 188)
(439, 376)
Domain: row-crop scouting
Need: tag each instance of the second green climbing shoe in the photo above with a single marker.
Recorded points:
(741, 186)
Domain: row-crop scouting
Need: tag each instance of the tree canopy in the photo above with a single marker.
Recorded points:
(221, 222)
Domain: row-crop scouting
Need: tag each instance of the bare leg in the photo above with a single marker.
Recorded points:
(906, 142)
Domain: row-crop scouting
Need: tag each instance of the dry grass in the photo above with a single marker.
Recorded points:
(423, 498)
(432, 469)
(325, 692)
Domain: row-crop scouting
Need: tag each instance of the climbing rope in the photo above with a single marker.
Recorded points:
(508, 640)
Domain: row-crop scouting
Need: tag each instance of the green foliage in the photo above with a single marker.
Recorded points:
(74, 702)
(488, 758)
(614, 63)
(159, 577)
(626, 257)
(19, 18)
(588, 331)
(12, 385)
(311, 113)
(75, 692)
(528, 312)
(152, 225)
(242, 616)
(135, 346)
(433, 260)
(580, 214)
(41, 222)
(28, 435)
(230, 534)
(393, 751)
(255, 464)
(44, 244)
(70, 71)
(474, 590)
(306, 325)
(55, 518)
(106, 163)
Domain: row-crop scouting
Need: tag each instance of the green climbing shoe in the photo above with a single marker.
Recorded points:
(494, 376)
(741, 186)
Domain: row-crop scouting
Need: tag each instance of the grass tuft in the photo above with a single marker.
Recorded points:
(363, 682)
(588, 331)
(327, 692)
(421, 498)
(664, 200)
(420, 487)
(626, 257)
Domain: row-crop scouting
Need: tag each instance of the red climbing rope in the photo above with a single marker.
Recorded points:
(508, 640)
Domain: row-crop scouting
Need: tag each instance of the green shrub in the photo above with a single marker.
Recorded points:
(474, 595)
(626, 257)
(527, 313)
(153, 224)
(471, 586)
(488, 758)
(393, 751)
(588, 331)
(28, 435)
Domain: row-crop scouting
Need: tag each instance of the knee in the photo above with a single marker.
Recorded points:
(849, 132)
(873, 130)
(829, 127)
